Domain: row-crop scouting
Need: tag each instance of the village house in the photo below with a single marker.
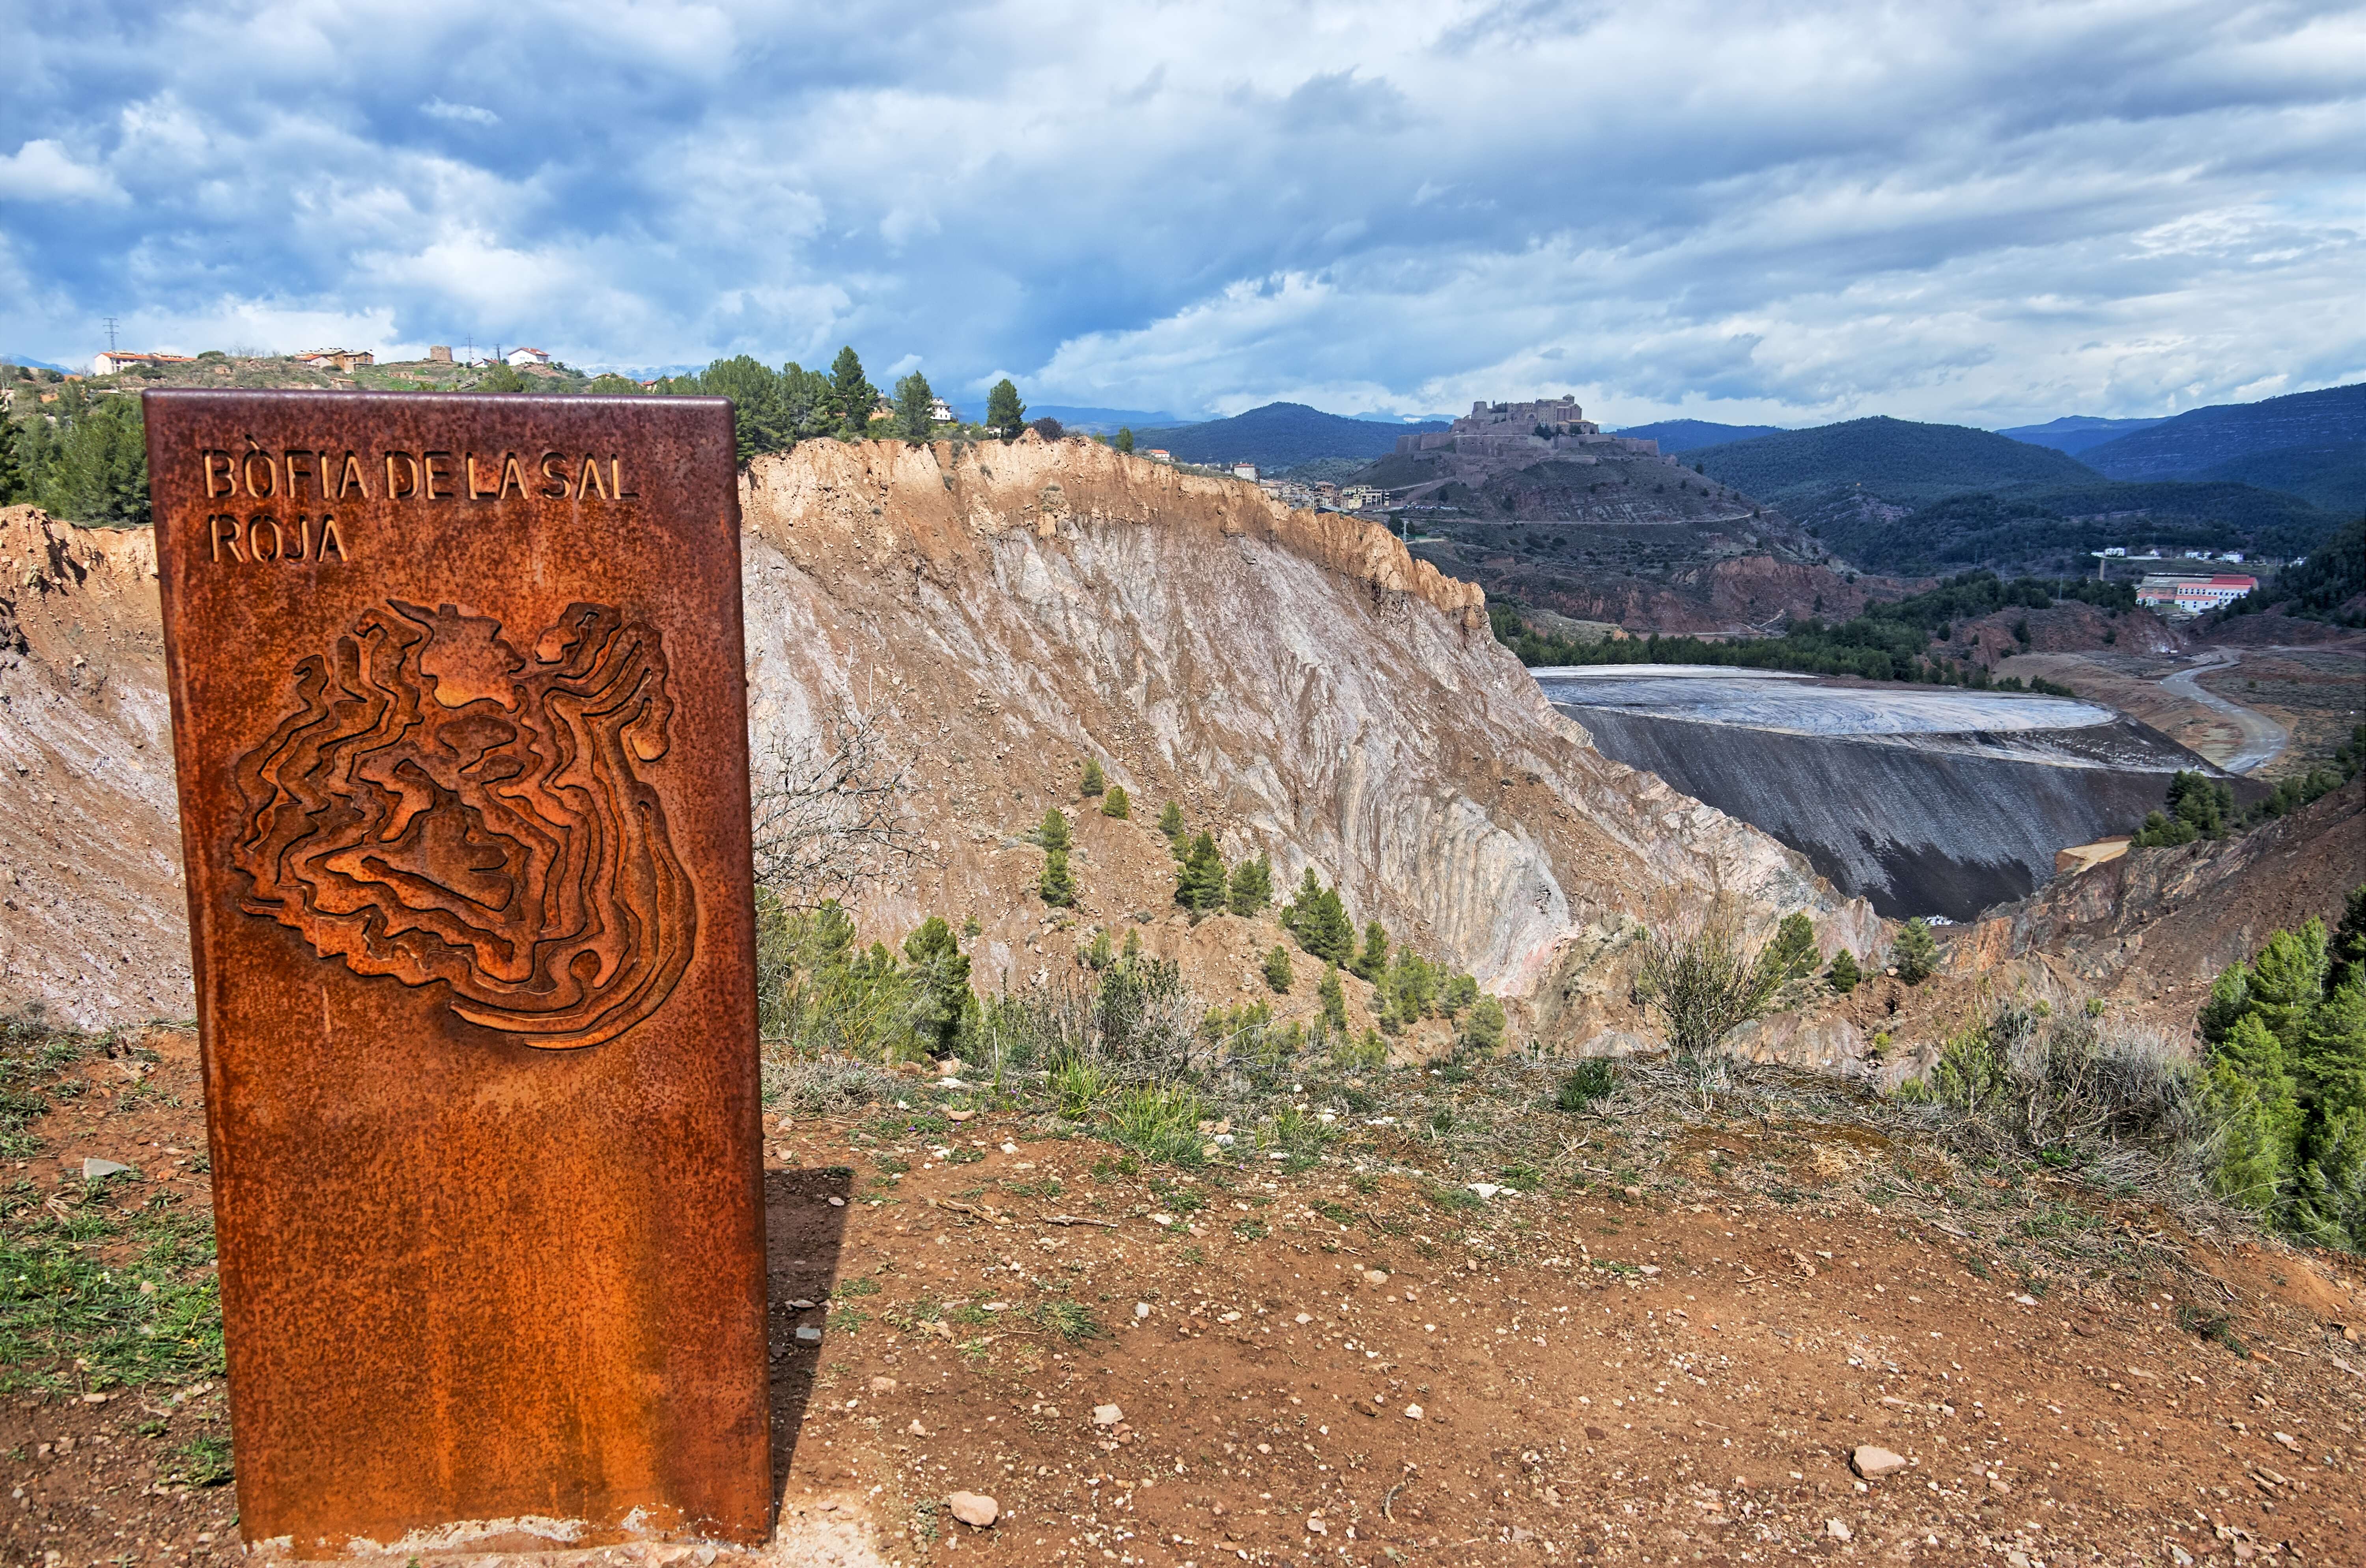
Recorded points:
(336, 358)
(116, 360)
(520, 358)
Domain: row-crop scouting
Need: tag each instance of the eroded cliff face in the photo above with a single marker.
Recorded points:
(1294, 681)
(92, 918)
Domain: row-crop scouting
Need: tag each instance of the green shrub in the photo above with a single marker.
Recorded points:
(1483, 1030)
(1596, 1077)
(1115, 804)
(1367, 1054)
(1199, 882)
(1076, 1087)
(1276, 970)
(1843, 975)
(1792, 954)
(1095, 781)
(1170, 822)
(1057, 885)
(1252, 886)
(1915, 954)
(1159, 1123)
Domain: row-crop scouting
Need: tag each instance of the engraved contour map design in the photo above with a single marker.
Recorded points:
(442, 808)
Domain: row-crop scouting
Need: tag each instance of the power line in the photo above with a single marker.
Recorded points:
(111, 334)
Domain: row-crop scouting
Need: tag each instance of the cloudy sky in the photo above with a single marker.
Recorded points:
(1788, 213)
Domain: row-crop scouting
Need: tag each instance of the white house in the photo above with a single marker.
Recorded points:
(521, 357)
(1159, 454)
(109, 363)
(941, 411)
(1244, 470)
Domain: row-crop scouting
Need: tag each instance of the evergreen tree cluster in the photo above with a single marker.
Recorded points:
(83, 457)
(2199, 806)
(774, 410)
(1887, 642)
(819, 992)
(2285, 1081)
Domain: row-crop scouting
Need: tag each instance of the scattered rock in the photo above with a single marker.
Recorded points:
(1632, 1192)
(883, 1385)
(2288, 1440)
(92, 1169)
(1162, 1219)
(808, 1334)
(1485, 1188)
(959, 1115)
(1376, 1276)
(1837, 1529)
(948, 1068)
(1873, 1461)
(2026, 1299)
(1141, 1311)
(838, 1202)
(1107, 1415)
(1413, 1412)
(915, 1429)
(971, 1508)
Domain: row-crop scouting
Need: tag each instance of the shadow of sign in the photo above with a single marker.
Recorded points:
(803, 1233)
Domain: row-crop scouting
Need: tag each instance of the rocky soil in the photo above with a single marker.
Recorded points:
(1628, 1337)
(92, 918)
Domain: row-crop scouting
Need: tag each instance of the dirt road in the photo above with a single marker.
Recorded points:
(2263, 738)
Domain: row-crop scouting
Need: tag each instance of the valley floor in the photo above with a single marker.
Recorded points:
(1462, 1327)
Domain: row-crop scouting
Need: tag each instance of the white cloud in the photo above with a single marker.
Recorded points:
(471, 114)
(43, 170)
(1735, 208)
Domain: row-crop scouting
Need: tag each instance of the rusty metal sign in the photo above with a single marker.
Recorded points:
(460, 717)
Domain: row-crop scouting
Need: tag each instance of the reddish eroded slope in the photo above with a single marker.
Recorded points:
(92, 918)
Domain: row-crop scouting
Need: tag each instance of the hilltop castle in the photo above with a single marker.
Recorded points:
(1521, 430)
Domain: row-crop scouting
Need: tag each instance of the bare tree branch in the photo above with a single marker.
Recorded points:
(830, 813)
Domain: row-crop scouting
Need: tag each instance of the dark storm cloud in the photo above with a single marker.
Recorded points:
(1742, 211)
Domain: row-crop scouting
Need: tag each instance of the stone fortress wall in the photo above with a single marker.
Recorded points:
(1522, 431)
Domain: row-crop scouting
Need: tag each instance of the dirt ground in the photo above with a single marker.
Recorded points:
(1665, 1353)
(2316, 694)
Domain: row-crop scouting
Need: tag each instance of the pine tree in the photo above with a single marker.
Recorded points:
(916, 406)
(1843, 974)
(1004, 414)
(1125, 438)
(942, 971)
(1052, 832)
(1057, 887)
(1094, 781)
(1373, 962)
(1115, 804)
(1199, 882)
(1916, 955)
(1276, 970)
(1251, 886)
(851, 395)
(1333, 997)
(1170, 822)
(16, 478)
(1319, 920)
(1792, 954)
(2249, 1095)
(1485, 1030)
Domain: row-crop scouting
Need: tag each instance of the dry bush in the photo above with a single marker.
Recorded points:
(830, 818)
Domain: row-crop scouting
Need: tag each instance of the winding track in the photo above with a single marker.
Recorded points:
(2263, 738)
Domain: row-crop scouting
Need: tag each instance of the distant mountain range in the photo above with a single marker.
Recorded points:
(1102, 421)
(1686, 435)
(2311, 444)
(1281, 435)
(1895, 459)
(1896, 496)
(28, 361)
(2074, 433)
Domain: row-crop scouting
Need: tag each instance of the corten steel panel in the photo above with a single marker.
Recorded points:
(459, 714)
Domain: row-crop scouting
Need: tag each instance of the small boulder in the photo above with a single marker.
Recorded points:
(1873, 1461)
(1413, 1412)
(808, 1334)
(1837, 1529)
(1107, 1415)
(1376, 1276)
(92, 1169)
(974, 1509)
(883, 1385)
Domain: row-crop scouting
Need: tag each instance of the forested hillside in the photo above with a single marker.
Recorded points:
(1895, 459)
(1281, 435)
